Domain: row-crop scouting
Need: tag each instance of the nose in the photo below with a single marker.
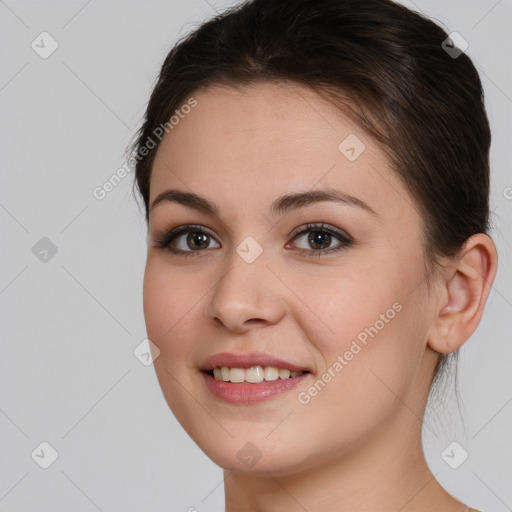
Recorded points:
(247, 294)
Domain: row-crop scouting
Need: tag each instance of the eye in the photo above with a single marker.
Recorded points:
(320, 238)
(197, 239)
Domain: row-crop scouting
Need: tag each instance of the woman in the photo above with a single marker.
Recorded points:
(315, 178)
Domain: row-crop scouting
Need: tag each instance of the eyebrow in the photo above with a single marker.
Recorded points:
(280, 206)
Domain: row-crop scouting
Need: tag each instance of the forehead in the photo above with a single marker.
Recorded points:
(248, 146)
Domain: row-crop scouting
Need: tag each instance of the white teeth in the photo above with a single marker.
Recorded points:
(236, 374)
(254, 374)
(284, 374)
(271, 373)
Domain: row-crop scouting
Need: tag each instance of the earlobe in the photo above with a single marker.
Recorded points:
(465, 290)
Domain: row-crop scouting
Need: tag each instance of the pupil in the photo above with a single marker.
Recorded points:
(194, 237)
(315, 237)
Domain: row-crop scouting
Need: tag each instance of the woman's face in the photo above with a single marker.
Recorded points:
(250, 280)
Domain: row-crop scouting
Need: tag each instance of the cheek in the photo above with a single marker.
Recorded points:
(365, 340)
(364, 320)
(341, 303)
(169, 310)
(168, 306)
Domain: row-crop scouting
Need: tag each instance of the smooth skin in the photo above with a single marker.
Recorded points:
(356, 446)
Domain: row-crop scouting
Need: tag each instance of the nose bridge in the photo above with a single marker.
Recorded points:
(247, 290)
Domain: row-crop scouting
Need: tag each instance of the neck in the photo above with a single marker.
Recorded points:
(387, 472)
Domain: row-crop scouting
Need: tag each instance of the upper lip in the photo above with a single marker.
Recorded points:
(232, 360)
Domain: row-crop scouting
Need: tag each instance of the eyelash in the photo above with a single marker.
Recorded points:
(165, 241)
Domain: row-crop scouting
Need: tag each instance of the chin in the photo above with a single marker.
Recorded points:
(241, 455)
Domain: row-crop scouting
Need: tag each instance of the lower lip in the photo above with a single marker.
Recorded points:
(248, 393)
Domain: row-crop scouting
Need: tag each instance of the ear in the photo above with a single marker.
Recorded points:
(463, 294)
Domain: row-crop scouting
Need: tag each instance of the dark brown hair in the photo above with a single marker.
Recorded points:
(379, 62)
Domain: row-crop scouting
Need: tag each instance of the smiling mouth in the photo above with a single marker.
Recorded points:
(254, 375)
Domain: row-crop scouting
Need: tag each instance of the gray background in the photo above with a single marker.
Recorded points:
(69, 325)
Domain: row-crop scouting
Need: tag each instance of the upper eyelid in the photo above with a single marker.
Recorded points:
(319, 225)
